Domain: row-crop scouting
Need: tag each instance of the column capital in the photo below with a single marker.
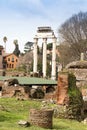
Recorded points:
(35, 40)
(54, 39)
(45, 39)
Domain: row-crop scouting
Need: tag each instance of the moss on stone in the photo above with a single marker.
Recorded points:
(73, 109)
(75, 105)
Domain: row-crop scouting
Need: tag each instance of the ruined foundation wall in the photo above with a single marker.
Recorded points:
(81, 76)
(69, 98)
(16, 91)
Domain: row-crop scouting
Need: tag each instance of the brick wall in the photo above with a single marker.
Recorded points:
(62, 89)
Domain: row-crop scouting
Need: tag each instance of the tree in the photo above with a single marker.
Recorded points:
(15, 42)
(73, 34)
(28, 46)
(16, 50)
(5, 40)
(49, 46)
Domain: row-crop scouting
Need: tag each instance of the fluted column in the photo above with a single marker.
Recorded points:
(35, 55)
(44, 65)
(53, 75)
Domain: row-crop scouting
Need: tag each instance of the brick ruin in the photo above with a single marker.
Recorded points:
(42, 118)
(69, 98)
(62, 89)
(14, 90)
(79, 69)
(63, 93)
(11, 88)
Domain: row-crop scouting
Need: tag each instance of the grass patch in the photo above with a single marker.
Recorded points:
(12, 110)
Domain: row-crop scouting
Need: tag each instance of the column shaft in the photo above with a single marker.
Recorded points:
(53, 75)
(44, 65)
(35, 55)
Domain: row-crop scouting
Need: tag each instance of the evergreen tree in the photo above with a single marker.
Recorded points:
(16, 50)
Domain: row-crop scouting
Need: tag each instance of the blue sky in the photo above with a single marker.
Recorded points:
(19, 19)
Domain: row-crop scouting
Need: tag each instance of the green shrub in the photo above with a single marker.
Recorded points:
(75, 99)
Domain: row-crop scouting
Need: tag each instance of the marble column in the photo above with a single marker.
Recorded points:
(53, 74)
(44, 65)
(35, 55)
(82, 57)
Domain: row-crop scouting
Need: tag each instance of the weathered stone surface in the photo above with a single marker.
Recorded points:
(81, 76)
(2, 72)
(23, 123)
(62, 91)
(37, 93)
(42, 118)
(84, 121)
(79, 69)
(20, 92)
(1, 83)
(60, 111)
(12, 81)
(69, 97)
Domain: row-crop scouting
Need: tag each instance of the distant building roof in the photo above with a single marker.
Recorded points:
(31, 80)
(8, 54)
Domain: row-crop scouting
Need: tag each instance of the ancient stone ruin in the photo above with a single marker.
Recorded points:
(69, 98)
(10, 87)
(62, 90)
(42, 118)
(79, 69)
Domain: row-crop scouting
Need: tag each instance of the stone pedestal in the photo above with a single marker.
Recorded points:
(42, 118)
